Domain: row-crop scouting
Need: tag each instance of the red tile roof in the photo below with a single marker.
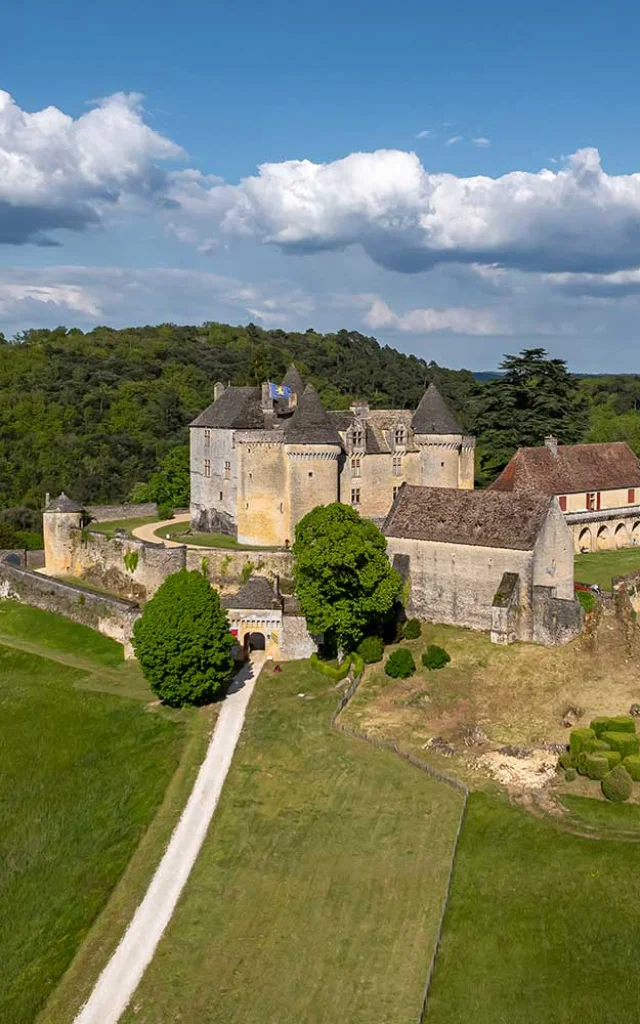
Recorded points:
(571, 469)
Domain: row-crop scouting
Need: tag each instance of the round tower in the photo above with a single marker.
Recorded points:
(446, 453)
(312, 453)
(62, 522)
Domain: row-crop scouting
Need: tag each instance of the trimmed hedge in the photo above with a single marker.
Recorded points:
(617, 785)
(625, 743)
(594, 746)
(400, 664)
(622, 723)
(566, 760)
(435, 657)
(613, 758)
(632, 764)
(578, 737)
(600, 725)
(371, 650)
(597, 766)
(570, 774)
(412, 629)
(332, 671)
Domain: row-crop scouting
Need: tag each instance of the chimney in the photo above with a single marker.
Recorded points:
(551, 443)
(361, 410)
(218, 389)
(267, 400)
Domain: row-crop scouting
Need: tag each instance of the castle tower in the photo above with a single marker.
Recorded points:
(312, 452)
(62, 521)
(293, 380)
(446, 452)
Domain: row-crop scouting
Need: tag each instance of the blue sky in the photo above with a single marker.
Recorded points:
(432, 172)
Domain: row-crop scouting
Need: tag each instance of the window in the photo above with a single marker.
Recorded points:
(399, 435)
(310, 473)
(282, 506)
(397, 465)
(356, 467)
(355, 495)
(592, 502)
(207, 436)
(563, 502)
(227, 470)
(631, 496)
(358, 438)
(395, 492)
(207, 467)
(220, 495)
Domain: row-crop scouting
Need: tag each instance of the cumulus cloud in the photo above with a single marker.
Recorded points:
(577, 219)
(429, 321)
(481, 141)
(57, 172)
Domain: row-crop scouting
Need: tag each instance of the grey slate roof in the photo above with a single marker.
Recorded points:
(432, 415)
(238, 408)
(480, 518)
(293, 380)
(63, 504)
(311, 423)
(256, 593)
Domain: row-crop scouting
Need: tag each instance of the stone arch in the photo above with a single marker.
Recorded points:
(635, 533)
(621, 536)
(254, 641)
(603, 540)
(585, 540)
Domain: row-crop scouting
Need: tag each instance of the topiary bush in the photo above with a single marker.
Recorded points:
(336, 672)
(412, 629)
(593, 746)
(632, 764)
(625, 743)
(617, 785)
(577, 737)
(596, 765)
(182, 640)
(371, 650)
(165, 511)
(400, 664)
(435, 657)
(570, 774)
(600, 725)
(566, 760)
(622, 723)
(613, 758)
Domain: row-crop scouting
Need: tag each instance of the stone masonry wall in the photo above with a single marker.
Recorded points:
(128, 567)
(109, 513)
(224, 567)
(108, 615)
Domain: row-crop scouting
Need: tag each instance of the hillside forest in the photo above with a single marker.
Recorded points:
(104, 415)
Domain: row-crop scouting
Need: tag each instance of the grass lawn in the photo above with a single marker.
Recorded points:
(600, 566)
(82, 774)
(542, 925)
(317, 893)
(180, 532)
(110, 526)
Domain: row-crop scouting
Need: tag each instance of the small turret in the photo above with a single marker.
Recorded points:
(447, 454)
(62, 521)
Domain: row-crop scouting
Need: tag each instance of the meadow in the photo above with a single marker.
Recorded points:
(600, 566)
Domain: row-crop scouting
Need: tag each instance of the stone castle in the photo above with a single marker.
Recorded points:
(260, 463)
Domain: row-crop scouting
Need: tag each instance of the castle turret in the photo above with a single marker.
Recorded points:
(447, 453)
(293, 380)
(312, 451)
(62, 521)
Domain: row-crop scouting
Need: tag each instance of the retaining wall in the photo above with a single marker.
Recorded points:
(108, 513)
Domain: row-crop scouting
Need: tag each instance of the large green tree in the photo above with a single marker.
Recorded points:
(534, 396)
(182, 641)
(170, 484)
(344, 581)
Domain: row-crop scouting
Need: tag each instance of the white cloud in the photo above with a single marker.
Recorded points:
(453, 140)
(429, 321)
(575, 219)
(481, 141)
(57, 172)
(426, 133)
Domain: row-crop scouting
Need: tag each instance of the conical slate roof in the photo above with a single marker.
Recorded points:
(432, 415)
(293, 380)
(63, 504)
(310, 423)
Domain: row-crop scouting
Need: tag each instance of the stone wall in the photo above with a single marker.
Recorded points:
(131, 568)
(224, 567)
(296, 642)
(214, 480)
(108, 615)
(109, 513)
(555, 621)
(626, 591)
(26, 559)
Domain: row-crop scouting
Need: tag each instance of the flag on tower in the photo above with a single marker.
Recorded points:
(279, 390)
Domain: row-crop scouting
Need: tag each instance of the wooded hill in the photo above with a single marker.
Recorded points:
(96, 414)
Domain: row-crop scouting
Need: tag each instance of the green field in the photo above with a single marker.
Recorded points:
(110, 526)
(82, 773)
(317, 893)
(181, 533)
(542, 925)
(600, 566)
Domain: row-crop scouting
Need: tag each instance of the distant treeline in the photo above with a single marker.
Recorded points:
(97, 414)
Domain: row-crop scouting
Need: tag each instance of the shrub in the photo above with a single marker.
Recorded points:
(435, 657)
(594, 746)
(625, 743)
(247, 572)
(600, 725)
(597, 766)
(617, 785)
(581, 763)
(566, 760)
(622, 723)
(587, 599)
(182, 640)
(613, 758)
(371, 650)
(632, 764)
(357, 662)
(577, 737)
(400, 665)
(165, 511)
(336, 672)
(570, 774)
(412, 629)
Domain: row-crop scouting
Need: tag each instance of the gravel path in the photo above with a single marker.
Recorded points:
(148, 531)
(120, 978)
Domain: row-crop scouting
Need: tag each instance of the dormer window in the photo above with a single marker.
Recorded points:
(400, 436)
(357, 437)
